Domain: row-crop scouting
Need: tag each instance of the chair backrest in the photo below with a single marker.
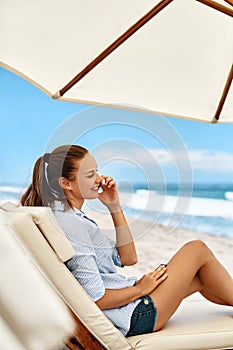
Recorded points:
(9, 339)
(45, 220)
(31, 309)
(33, 226)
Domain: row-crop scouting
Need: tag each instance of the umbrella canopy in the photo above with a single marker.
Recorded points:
(172, 57)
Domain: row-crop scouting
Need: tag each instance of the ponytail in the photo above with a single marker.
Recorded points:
(36, 194)
(32, 196)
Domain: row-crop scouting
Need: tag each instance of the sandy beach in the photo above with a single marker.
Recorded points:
(154, 245)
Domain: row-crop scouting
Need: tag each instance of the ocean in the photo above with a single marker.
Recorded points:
(208, 208)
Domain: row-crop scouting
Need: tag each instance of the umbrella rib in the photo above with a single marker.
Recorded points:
(218, 6)
(224, 95)
(134, 28)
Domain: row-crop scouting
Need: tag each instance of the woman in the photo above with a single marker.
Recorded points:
(66, 177)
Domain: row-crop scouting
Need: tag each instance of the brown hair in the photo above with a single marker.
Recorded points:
(45, 187)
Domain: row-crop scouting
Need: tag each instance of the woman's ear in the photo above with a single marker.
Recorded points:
(64, 183)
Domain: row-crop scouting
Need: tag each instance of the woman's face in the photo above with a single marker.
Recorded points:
(87, 180)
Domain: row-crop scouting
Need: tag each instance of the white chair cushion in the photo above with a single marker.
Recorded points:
(29, 304)
(47, 223)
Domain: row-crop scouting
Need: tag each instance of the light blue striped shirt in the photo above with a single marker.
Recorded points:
(95, 261)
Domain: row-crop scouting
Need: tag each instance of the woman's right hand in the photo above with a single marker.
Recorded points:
(151, 280)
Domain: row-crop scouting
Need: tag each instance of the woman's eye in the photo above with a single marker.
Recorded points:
(91, 175)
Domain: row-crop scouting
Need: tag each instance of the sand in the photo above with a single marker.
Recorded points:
(154, 245)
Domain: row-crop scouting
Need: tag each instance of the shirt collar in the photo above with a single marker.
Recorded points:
(60, 206)
(79, 212)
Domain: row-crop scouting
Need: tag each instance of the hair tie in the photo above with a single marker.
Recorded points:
(46, 157)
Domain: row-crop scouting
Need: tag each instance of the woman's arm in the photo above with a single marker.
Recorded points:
(118, 297)
(124, 240)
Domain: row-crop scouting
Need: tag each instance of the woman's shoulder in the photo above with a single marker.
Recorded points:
(64, 214)
(70, 222)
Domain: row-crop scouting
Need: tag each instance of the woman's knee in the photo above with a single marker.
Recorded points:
(199, 246)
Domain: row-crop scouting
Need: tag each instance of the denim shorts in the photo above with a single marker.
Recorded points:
(143, 318)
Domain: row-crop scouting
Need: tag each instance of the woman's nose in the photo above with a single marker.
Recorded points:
(98, 178)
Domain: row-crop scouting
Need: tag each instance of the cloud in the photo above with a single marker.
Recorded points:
(216, 161)
(204, 160)
(199, 159)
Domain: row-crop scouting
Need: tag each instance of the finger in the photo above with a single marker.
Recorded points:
(109, 182)
(160, 272)
(159, 269)
(162, 278)
(106, 179)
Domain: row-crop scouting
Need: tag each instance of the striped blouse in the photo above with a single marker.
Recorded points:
(95, 261)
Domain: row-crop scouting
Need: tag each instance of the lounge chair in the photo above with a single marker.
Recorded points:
(197, 324)
(33, 316)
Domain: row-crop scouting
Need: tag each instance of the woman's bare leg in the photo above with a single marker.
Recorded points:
(193, 268)
(196, 286)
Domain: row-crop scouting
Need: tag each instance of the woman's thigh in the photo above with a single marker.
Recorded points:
(182, 280)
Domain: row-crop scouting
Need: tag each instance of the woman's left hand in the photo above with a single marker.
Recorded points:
(109, 195)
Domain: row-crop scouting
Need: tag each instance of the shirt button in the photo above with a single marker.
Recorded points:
(146, 301)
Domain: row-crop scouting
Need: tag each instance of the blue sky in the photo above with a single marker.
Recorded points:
(31, 123)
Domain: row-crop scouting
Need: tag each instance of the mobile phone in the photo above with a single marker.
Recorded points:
(160, 265)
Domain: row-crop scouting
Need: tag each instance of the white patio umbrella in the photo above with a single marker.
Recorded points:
(172, 57)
